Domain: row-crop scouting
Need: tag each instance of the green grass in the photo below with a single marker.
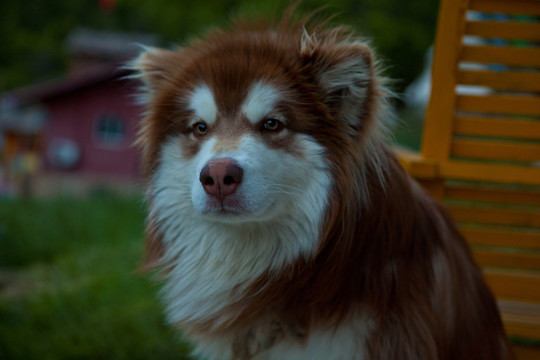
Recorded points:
(408, 130)
(69, 288)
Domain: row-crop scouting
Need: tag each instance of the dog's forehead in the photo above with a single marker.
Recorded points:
(258, 100)
(261, 100)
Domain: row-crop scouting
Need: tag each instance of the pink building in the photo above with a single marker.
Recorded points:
(87, 122)
(90, 123)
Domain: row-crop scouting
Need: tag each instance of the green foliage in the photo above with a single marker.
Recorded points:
(69, 287)
(401, 30)
(38, 231)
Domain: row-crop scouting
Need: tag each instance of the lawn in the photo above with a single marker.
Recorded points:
(69, 288)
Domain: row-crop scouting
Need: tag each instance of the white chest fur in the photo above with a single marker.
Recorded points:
(211, 263)
(343, 343)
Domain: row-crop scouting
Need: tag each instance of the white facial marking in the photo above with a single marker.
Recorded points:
(202, 103)
(283, 208)
(260, 101)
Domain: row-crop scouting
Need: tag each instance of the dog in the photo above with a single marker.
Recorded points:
(280, 221)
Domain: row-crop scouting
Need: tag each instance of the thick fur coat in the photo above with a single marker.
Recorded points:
(280, 221)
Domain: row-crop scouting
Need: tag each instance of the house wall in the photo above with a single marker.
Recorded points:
(74, 116)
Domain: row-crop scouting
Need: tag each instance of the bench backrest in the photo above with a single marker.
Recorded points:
(482, 129)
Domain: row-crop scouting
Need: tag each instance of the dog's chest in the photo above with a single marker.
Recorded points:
(345, 342)
(210, 266)
(212, 273)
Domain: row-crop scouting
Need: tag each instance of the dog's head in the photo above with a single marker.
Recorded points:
(251, 124)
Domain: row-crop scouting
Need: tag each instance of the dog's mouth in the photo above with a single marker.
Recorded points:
(230, 206)
(225, 211)
(236, 211)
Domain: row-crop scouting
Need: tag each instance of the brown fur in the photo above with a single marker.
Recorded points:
(386, 245)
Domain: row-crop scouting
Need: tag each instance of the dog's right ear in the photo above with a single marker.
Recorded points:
(154, 67)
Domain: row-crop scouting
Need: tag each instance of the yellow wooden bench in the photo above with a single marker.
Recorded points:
(481, 148)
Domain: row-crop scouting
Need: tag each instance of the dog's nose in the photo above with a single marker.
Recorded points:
(221, 177)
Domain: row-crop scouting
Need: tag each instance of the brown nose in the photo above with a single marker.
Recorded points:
(221, 177)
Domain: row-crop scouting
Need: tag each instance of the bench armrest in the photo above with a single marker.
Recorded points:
(417, 166)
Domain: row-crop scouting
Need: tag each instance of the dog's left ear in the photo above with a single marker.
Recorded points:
(345, 72)
(154, 67)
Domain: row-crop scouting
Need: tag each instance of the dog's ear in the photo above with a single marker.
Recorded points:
(154, 67)
(345, 73)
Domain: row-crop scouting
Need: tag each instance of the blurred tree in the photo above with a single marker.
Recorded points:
(33, 31)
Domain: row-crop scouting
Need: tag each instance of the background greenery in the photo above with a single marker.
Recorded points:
(69, 288)
(33, 31)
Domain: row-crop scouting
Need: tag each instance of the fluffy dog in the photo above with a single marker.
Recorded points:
(282, 224)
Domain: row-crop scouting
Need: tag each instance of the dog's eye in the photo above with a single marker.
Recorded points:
(272, 124)
(200, 129)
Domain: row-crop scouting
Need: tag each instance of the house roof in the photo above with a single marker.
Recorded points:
(20, 110)
(110, 51)
(107, 44)
(73, 81)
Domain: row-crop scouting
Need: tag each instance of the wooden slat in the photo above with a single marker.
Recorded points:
(513, 7)
(508, 30)
(489, 194)
(439, 114)
(520, 318)
(515, 285)
(416, 165)
(500, 104)
(513, 174)
(528, 57)
(522, 352)
(496, 127)
(501, 80)
(507, 259)
(495, 150)
(435, 188)
(502, 237)
(495, 216)
(461, 170)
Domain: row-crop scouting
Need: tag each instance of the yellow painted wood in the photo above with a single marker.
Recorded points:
(514, 174)
(507, 259)
(525, 129)
(510, 7)
(508, 30)
(500, 104)
(517, 238)
(439, 114)
(495, 216)
(416, 165)
(502, 224)
(521, 318)
(501, 80)
(506, 55)
(514, 285)
(515, 95)
(496, 150)
(496, 195)
(436, 188)
(522, 352)
(521, 327)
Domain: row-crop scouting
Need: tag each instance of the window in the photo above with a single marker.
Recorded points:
(110, 130)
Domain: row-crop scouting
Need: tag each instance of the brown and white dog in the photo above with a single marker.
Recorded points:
(283, 225)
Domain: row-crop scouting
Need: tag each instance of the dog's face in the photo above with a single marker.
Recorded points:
(240, 154)
(246, 128)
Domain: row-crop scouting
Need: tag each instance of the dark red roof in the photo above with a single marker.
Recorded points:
(73, 81)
